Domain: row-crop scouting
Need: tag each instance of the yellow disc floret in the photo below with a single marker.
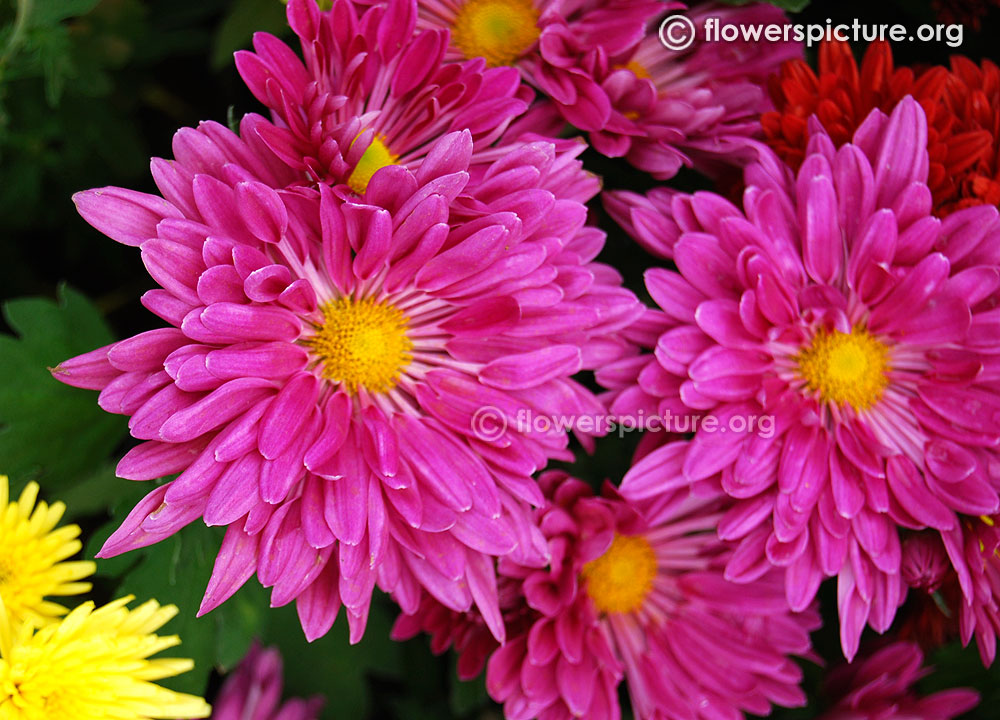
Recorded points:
(620, 579)
(32, 557)
(375, 157)
(846, 368)
(92, 665)
(362, 343)
(637, 69)
(498, 30)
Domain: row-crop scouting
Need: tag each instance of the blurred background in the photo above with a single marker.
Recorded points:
(89, 91)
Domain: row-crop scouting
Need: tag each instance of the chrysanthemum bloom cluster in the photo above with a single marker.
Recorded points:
(33, 557)
(966, 12)
(930, 614)
(956, 579)
(372, 92)
(327, 357)
(695, 107)
(836, 304)
(972, 102)
(559, 48)
(349, 284)
(93, 664)
(253, 692)
(880, 687)
(962, 104)
(632, 598)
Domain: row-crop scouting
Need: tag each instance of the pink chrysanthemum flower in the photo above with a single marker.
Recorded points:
(557, 46)
(633, 598)
(960, 569)
(694, 107)
(836, 305)
(372, 92)
(648, 219)
(253, 692)
(465, 633)
(880, 687)
(317, 388)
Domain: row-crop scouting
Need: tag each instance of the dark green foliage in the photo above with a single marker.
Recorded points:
(792, 6)
(48, 431)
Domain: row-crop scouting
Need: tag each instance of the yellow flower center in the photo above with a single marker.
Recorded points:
(637, 69)
(620, 579)
(362, 343)
(498, 30)
(376, 157)
(846, 367)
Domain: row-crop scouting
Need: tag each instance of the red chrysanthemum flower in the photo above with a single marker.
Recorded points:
(972, 106)
(964, 12)
(962, 107)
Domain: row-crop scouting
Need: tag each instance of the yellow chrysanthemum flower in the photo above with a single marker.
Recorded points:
(94, 664)
(32, 555)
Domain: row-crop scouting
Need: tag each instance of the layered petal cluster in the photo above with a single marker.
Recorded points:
(971, 103)
(962, 104)
(841, 95)
(34, 557)
(648, 219)
(253, 692)
(965, 12)
(835, 304)
(465, 633)
(930, 614)
(372, 92)
(632, 598)
(694, 107)
(93, 664)
(959, 570)
(560, 48)
(318, 385)
(881, 687)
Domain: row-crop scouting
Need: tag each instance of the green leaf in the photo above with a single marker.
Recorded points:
(45, 13)
(91, 495)
(49, 431)
(468, 696)
(175, 571)
(125, 497)
(246, 17)
(331, 665)
(238, 621)
(792, 6)
(955, 666)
